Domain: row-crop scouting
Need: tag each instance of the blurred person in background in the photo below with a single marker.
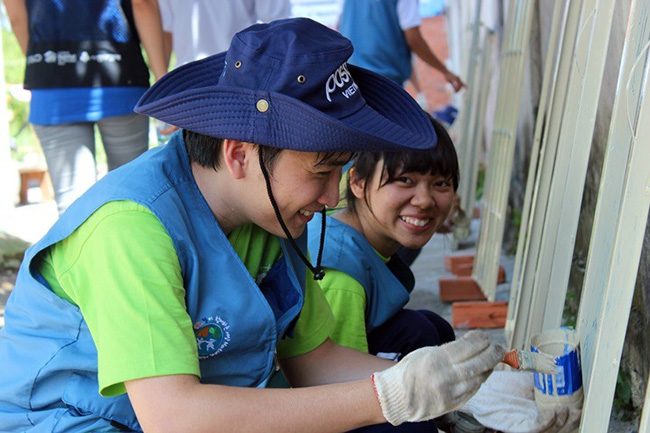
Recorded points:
(195, 29)
(85, 68)
(385, 33)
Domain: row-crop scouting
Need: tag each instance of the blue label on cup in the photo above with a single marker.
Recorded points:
(568, 377)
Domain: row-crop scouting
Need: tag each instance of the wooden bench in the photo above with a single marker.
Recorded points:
(35, 176)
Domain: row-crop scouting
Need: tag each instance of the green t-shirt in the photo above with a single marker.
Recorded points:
(121, 269)
(347, 298)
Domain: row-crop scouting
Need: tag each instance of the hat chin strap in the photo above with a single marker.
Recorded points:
(318, 271)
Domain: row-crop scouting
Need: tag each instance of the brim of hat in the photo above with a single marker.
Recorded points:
(189, 97)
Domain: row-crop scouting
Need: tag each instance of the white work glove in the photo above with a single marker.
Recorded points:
(432, 381)
(506, 402)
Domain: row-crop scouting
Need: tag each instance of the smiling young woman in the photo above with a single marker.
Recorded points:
(394, 199)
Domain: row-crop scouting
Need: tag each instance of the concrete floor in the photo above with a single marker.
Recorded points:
(30, 222)
(429, 267)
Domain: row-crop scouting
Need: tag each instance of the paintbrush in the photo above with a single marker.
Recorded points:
(530, 361)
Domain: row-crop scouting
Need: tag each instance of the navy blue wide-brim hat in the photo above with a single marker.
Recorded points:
(286, 84)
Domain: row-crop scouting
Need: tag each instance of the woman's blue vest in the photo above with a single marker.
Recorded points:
(378, 39)
(346, 250)
(48, 361)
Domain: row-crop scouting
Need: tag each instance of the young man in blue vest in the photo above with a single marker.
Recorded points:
(161, 298)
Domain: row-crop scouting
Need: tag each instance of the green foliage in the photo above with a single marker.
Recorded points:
(623, 406)
(570, 313)
(14, 60)
(24, 140)
(480, 182)
(516, 219)
(514, 225)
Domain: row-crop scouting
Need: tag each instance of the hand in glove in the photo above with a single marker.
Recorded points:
(506, 402)
(432, 381)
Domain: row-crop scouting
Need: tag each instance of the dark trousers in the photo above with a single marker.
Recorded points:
(408, 255)
(405, 332)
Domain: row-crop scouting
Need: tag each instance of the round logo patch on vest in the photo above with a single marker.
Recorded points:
(212, 336)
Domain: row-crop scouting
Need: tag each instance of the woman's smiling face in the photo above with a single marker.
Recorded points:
(405, 210)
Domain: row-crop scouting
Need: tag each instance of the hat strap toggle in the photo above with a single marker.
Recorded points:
(318, 271)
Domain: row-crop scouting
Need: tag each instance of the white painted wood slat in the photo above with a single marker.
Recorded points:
(554, 273)
(497, 184)
(467, 145)
(547, 131)
(544, 109)
(567, 184)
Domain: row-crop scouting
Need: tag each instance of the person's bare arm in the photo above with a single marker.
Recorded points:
(419, 46)
(168, 43)
(168, 40)
(427, 383)
(17, 12)
(182, 403)
(146, 14)
(324, 365)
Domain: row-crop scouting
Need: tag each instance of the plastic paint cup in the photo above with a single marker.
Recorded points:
(563, 388)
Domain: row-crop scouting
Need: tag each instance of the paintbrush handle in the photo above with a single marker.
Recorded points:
(530, 361)
(512, 359)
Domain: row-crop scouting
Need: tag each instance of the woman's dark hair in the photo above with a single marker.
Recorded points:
(441, 160)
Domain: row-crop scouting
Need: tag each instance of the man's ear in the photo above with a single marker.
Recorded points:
(236, 157)
(357, 185)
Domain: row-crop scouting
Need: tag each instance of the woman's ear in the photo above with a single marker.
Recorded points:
(236, 157)
(357, 185)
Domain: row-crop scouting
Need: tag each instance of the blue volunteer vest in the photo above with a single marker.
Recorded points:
(346, 250)
(48, 368)
(378, 40)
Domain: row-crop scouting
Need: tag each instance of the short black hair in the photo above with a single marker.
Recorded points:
(441, 160)
(205, 150)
